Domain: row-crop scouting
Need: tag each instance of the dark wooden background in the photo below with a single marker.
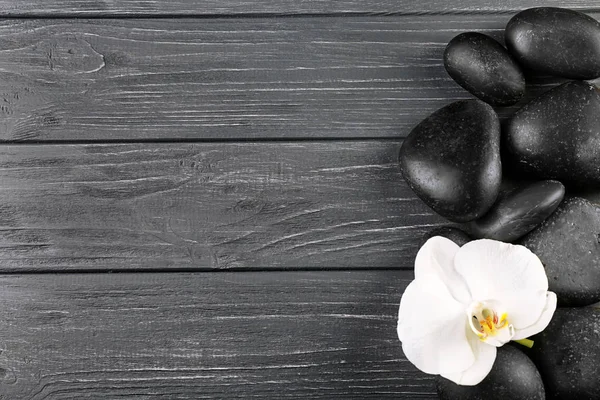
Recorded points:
(233, 164)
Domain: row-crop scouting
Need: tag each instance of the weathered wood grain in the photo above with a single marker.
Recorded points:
(168, 79)
(207, 206)
(319, 335)
(289, 7)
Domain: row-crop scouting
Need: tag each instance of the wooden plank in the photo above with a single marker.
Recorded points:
(208, 206)
(273, 7)
(166, 79)
(318, 335)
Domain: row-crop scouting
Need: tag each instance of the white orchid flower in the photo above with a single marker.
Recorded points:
(467, 301)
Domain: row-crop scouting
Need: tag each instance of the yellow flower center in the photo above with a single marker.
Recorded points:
(488, 321)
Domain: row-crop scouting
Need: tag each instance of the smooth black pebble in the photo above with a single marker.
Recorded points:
(568, 245)
(556, 41)
(567, 352)
(456, 235)
(513, 377)
(452, 160)
(557, 136)
(518, 211)
(482, 66)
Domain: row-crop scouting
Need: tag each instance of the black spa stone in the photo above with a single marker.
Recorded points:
(557, 136)
(518, 211)
(482, 66)
(556, 41)
(568, 245)
(513, 377)
(452, 160)
(567, 352)
(456, 235)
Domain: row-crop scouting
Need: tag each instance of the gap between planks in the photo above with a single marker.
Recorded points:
(200, 141)
(350, 14)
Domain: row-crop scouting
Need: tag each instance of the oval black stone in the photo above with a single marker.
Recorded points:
(556, 41)
(518, 211)
(513, 377)
(482, 66)
(452, 160)
(568, 245)
(557, 135)
(456, 235)
(566, 354)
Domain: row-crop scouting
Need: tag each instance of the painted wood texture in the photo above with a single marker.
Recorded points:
(338, 204)
(273, 7)
(198, 79)
(318, 335)
(361, 70)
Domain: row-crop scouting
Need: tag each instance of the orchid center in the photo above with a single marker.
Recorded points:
(489, 322)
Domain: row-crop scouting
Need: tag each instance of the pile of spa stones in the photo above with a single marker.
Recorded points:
(454, 161)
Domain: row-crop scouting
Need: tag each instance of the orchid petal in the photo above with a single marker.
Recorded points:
(541, 323)
(432, 327)
(485, 355)
(510, 274)
(436, 257)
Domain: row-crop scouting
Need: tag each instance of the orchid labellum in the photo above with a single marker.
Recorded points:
(467, 301)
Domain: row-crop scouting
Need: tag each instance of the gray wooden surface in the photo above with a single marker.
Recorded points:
(221, 79)
(321, 335)
(235, 163)
(272, 7)
(276, 205)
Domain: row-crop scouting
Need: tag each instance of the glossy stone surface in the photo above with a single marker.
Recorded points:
(482, 66)
(513, 377)
(566, 354)
(518, 211)
(556, 41)
(568, 245)
(452, 160)
(456, 235)
(557, 136)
